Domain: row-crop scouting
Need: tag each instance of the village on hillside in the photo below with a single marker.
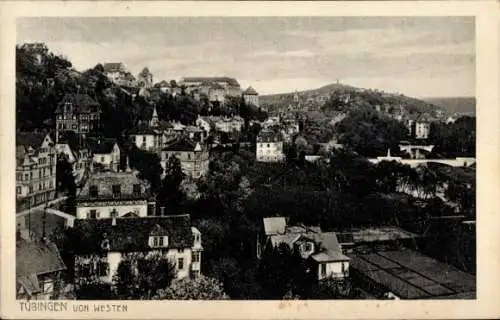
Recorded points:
(133, 187)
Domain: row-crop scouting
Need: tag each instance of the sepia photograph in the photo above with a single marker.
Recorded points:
(245, 158)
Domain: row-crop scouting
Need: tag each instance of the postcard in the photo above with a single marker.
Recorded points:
(227, 160)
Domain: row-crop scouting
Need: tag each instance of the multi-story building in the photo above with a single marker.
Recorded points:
(251, 96)
(145, 79)
(221, 124)
(38, 269)
(422, 129)
(117, 73)
(35, 169)
(215, 87)
(78, 113)
(321, 250)
(194, 156)
(154, 135)
(105, 154)
(269, 146)
(109, 241)
(114, 194)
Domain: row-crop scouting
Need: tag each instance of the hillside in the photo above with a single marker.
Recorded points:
(465, 105)
(316, 98)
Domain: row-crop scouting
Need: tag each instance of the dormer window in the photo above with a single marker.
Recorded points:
(158, 241)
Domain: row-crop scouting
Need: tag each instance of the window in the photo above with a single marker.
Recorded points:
(102, 269)
(84, 270)
(102, 159)
(26, 176)
(136, 189)
(116, 189)
(196, 257)
(93, 191)
(31, 175)
(143, 139)
(323, 269)
(180, 263)
(189, 156)
(18, 190)
(308, 246)
(158, 241)
(181, 250)
(268, 145)
(19, 176)
(93, 214)
(30, 189)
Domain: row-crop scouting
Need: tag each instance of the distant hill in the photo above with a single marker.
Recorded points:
(356, 96)
(456, 104)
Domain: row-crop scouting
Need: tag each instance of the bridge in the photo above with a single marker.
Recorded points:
(457, 162)
(414, 150)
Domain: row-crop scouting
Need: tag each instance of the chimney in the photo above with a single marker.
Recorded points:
(113, 221)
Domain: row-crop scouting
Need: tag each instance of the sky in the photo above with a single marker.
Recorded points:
(415, 56)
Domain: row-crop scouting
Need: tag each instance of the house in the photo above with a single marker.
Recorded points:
(105, 242)
(422, 128)
(117, 73)
(77, 154)
(153, 135)
(269, 146)
(38, 270)
(145, 79)
(251, 96)
(79, 113)
(221, 124)
(35, 169)
(114, 194)
(105, 154)
(194, 156)
(321, 250)
(215, 87)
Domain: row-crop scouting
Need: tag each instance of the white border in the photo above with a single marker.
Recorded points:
(487, 84)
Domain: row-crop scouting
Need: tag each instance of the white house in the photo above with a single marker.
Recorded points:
(269, 147)
(168, 237)
(321, 249)
(105, 154)
(114, 194)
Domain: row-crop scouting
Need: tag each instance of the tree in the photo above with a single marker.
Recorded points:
(331, 288)
(148, 165)
(170, 193)
(65, 180)
(200, 288)
(140, 276)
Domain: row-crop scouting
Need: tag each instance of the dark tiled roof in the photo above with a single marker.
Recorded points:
(30, 139)
(183, 144)
(250, 91)
(132, 234)
(82, 103)
(105, 181)
(231, 81)
(36, 258)
(101, 146)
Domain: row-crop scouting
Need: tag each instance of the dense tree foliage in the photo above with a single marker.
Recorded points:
(369, 134)
(140, 278)
(456, 139)
(200, 288)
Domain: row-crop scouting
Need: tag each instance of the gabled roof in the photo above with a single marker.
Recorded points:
(274, 225)
(250, 91)
(132, 234)
(30, 139)
(102, 146)
(37, 258)
(184, 144)
(81, 103)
